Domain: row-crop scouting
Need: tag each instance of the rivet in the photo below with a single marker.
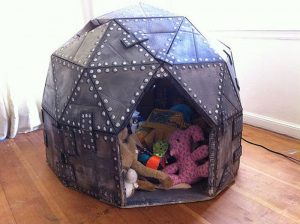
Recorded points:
(142, 68)
(133, 101)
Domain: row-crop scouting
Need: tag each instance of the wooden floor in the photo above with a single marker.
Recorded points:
(267, 190)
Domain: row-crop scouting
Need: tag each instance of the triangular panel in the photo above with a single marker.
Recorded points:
(130, 81)
(49, 93)
(151, 25)
(112, 52)
(183, 49)
(158, 42)
(66, 76)
(85, 99)
(229, 91)
(69, 49)
(205, 53)
(92, 39)
(203, 83)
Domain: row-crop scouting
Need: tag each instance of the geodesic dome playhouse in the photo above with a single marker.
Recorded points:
(139, 60)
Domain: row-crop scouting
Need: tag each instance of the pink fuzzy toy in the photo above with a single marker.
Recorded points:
(180, 147)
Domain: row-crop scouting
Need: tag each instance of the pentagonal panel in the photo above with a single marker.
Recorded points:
(130, 81)
(203, 83)
(49, 93)
(112, 52)
(85, 100)
(66, 76)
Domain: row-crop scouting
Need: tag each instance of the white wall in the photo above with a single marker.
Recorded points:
(268, 68)
(265, 39)
(267, 60)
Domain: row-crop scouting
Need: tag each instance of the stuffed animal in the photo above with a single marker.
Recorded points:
(180, 147)
(130, 182)
(129, 155)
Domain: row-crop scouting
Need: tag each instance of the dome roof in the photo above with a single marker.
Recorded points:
(103, 71)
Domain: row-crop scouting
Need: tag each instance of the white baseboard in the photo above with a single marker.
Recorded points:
(272, 124)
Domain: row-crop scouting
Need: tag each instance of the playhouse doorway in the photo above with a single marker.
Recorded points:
(166, 107)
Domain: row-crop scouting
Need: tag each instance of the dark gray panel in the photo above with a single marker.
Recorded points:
(183, 48)
(204, 84)
(158, 42)
(130, 82)
(112, 52)
(48, 102)
(229, 91)
(85, 99)
(151, 25)
(205, 53)
(66, 76)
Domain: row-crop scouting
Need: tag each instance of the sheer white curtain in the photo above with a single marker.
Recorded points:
(30, 31)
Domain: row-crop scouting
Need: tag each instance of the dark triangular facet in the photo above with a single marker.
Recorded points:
(229, 91)
(183, 49)
(85, 99)
(87, 48)
(80, 48)
(203, 83)
(158, 42)
(49, 103)
(112, 52)
(205, 53)
(130, 81)
(151, 25)
(187, 26)
(66, 76)
(69, 49)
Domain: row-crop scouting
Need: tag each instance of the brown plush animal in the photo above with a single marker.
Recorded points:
(129, 155)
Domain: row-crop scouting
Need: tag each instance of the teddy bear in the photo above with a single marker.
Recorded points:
(129, 156)
(130, 182)
(186, 165)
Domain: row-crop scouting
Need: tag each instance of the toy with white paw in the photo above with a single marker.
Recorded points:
(130, 182)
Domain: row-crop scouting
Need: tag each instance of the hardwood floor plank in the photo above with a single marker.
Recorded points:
(26, 203)
(77, 206)
(267, 190)
(6, 215)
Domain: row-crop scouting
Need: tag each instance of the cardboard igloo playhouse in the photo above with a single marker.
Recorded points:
(135, 63)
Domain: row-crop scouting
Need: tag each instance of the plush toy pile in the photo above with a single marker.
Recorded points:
(166, 151)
